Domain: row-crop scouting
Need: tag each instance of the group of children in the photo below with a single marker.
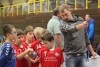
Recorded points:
(18, 45)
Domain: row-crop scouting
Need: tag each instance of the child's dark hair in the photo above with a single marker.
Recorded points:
(7, 29)
(48, 37)
(19, 32)
(29, 28)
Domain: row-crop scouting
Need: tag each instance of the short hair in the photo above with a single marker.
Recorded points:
(56, 11)
(47, 37)
(19, 32)
(88, 15)
(45, 31)
(29, 28)
(7, 29)
(38, 31)
(62, 7)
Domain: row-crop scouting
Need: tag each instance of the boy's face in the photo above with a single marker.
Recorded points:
(12, 35)
(38, 38)
(48, 44)
(19, 39)
(29, 36)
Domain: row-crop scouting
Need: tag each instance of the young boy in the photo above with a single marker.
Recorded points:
(51, 56)
(28, 36)
(37, 44)
(7, 57)
(20, 50)
(29, 40)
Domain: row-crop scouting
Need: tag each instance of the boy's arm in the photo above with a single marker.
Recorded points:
(40, 64)
(20, 56)
(61, 65)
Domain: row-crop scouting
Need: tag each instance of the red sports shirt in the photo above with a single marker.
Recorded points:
(37, 46)
(23, 62)
(51, 58)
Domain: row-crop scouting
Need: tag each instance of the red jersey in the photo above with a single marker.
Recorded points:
(51, 58)
(24, 39)
(29, 46)
(26, 45)
(37, 46)
(23, 62)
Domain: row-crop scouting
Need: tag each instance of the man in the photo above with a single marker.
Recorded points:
(75, 37)
(53, 28)
(90, 28)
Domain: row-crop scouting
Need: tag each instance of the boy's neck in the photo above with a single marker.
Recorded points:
(8, 40)
(28, 42)
(53, 47)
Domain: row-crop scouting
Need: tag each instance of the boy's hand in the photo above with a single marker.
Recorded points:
(36, 59)
(30, 50)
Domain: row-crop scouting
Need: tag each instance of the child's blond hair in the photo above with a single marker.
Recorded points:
(38, 31)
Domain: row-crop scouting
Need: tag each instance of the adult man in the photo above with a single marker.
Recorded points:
(53, 28)
(90, 28)
(75, 37)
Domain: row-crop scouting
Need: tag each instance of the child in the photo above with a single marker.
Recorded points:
(38, 45)
(20, 50)
(29, 40)
(7, 57)
(51, 56)
(28, 36)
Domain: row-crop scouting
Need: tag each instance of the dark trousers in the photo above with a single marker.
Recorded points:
(88, 51)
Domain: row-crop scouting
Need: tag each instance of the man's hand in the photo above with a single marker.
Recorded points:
(83, 25)
(94, 54)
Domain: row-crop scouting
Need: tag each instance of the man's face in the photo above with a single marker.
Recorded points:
(87, 17)
(66, 14)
